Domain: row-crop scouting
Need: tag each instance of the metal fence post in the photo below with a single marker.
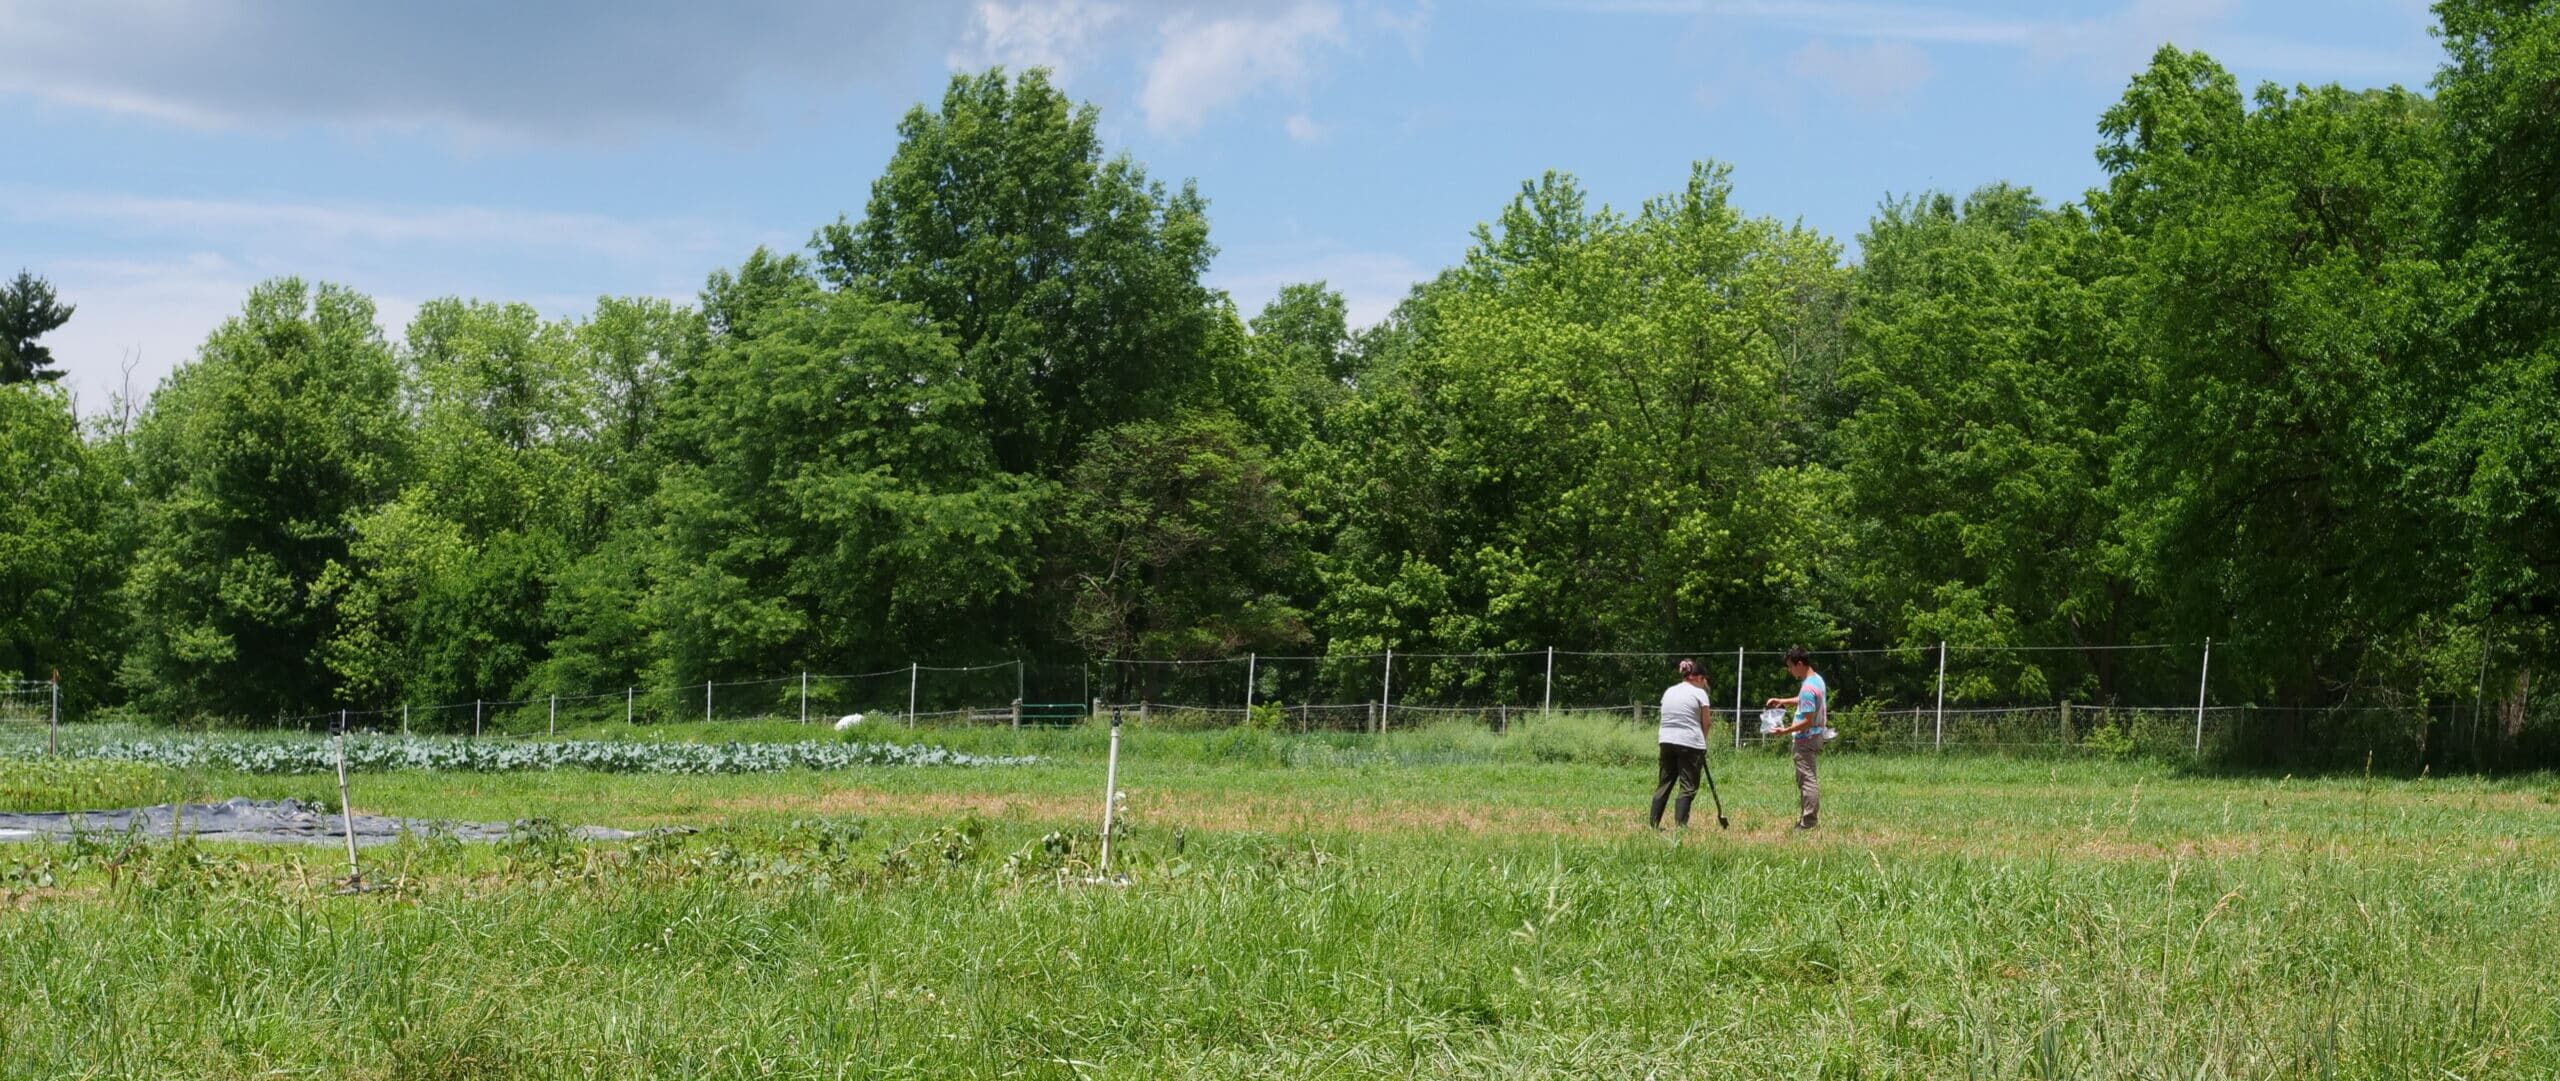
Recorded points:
(1942, 694)
(1547, 704)
(706, 700)
(2202, 676)
(1387, 690)
(1252, 668)
(1737, 698)
(804, 696)
(475, 718)
(555, 714)
(911, 694)
(630, 696)
(1018, 681)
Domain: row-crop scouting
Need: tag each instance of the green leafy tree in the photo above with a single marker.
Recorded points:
(2500, 95)
(2286, 282)
(63, 546)
(1296, 365)
(253, 466)
(1068, 283)
(1181, 542)
(828, 494)
(28, 310)
(1581, 445)
(1992, 377)
(444, 598)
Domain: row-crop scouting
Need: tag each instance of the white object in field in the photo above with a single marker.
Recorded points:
(848, 721)
(1772, 720)
(1110, 792)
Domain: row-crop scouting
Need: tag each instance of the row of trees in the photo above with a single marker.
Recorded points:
(2290, 378)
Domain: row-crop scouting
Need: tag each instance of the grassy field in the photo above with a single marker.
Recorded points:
(1433, 903)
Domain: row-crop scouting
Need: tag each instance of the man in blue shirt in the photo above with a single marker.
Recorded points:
(1812, 728)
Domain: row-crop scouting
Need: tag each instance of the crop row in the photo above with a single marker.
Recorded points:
(445, 754)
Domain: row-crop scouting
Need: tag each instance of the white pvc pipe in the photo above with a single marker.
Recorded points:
(1549, 704)
(1387, 690)
(1942, 694)
(1110, 789)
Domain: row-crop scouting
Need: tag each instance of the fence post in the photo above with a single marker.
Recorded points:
(629, 696)
(804, 696)
(1737, 698)
(53, 719)
(1548, 704)
(1942, 694)
(555, 714)
(1387, 691)
(1252, 667)
(475, 718)
(1017, 714)
(911, 694)
(2203, 674)
(2479, 694)
(1018, 681)
(706, 700)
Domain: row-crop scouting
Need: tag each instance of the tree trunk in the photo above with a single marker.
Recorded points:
(2511, 711)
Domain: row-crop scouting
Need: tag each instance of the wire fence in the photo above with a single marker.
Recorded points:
(33, 703)
(1938, 697)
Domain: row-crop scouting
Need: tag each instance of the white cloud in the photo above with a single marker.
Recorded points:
(2107, 44)
(184, 265)
(1873, 75)
(149, 314)
(1205, 64)
(1304, 128)
(1409, 27)
(1056, 34)
(1899, 22)
(545, 72)
(341, 226)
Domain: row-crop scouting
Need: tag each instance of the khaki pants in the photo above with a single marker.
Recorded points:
(1808, 787)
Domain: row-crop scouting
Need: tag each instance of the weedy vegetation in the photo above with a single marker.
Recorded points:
(1428, 903)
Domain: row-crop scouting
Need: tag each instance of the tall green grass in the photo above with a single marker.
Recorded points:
(1965, 917)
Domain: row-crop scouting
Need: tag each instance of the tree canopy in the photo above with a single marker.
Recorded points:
(2287, 380)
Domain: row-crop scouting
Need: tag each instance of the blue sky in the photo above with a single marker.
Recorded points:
(164, 157)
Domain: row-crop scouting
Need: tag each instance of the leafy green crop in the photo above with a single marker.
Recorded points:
(440, 754)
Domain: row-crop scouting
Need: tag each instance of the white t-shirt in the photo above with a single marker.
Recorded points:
(1684, 709)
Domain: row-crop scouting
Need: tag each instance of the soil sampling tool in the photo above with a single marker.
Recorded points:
(347, 814)
(1705, 762)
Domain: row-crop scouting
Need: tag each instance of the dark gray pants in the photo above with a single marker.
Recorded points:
(1680, 766)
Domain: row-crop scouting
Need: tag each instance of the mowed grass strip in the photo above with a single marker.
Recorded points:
(1499, 917)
